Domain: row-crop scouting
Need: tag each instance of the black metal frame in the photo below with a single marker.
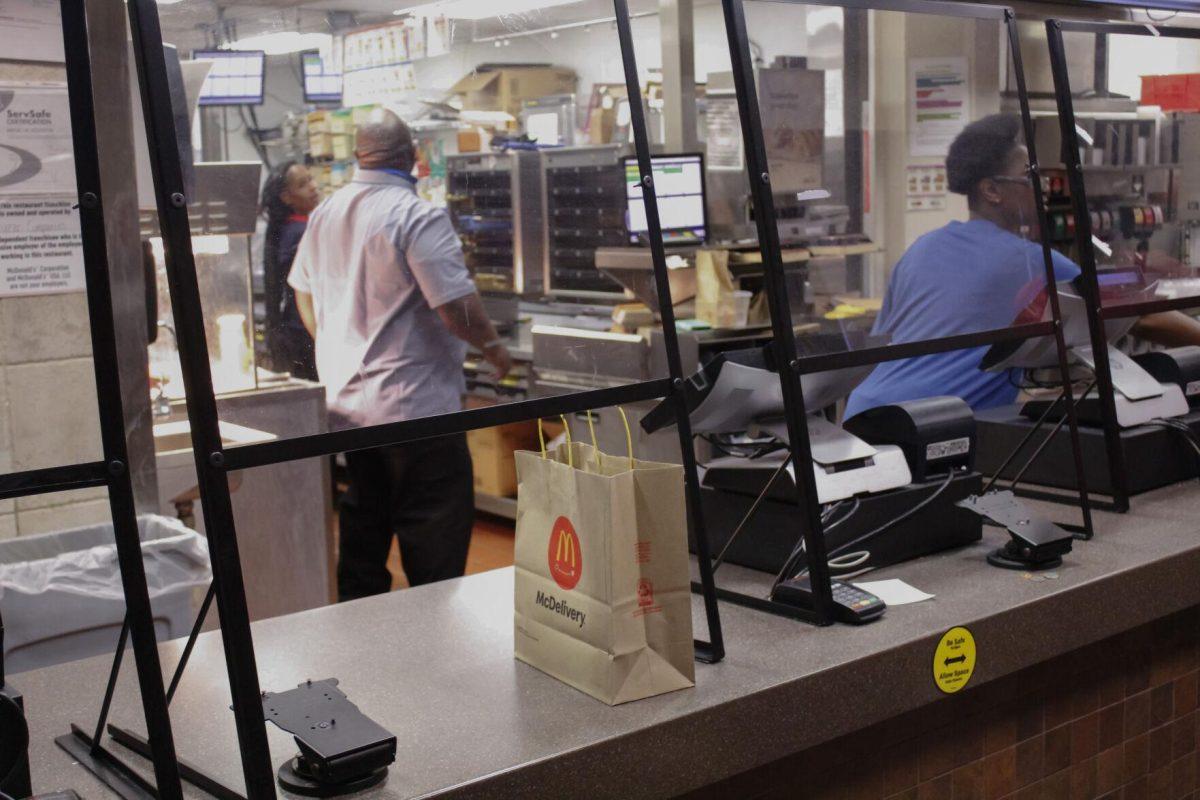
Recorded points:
(213, 462)
(113, 472)
(1096, 312)
(793, 367)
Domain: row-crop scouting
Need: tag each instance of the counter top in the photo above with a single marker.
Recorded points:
(434, 665)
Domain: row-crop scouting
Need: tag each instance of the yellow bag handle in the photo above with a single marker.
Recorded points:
(592, 431)
(542, 439)
(567, 430)
(628, 436)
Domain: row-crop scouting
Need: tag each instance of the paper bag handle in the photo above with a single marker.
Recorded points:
(592, 431)
(567, 429)
(628, 436)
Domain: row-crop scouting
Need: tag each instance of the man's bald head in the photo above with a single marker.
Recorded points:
(384, 141)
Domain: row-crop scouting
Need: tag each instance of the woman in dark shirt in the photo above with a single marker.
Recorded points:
(288, 196)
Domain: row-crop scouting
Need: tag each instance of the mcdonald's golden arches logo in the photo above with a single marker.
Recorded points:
(565, 555)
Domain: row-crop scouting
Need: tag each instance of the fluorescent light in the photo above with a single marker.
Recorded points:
(282, 42)
(481, 9)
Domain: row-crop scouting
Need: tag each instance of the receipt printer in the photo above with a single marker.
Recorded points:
(1179, 366)
(937, 434)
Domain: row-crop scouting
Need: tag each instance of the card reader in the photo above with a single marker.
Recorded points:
(850, 604)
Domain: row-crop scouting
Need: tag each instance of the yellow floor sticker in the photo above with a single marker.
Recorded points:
(954, 660)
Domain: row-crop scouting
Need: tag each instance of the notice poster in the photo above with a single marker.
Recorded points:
(391, 84)
(35, 140)
(40, 249)
(437, 36)
(926, 187)
(792, 107)
(724, 148)
(939, 103)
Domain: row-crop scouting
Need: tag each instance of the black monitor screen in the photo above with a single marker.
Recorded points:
(679, 187)
(236, 77)
(321, 85)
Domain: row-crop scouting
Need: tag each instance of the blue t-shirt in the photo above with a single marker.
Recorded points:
(965, 277)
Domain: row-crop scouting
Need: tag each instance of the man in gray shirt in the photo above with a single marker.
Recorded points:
(381, 285)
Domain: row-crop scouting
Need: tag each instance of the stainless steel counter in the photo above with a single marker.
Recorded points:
(435, 666)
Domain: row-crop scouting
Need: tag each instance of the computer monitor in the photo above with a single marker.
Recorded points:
(236, 77)
(679, 187)
(321, 85)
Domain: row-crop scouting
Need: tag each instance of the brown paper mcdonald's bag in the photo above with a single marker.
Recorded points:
(603, 599)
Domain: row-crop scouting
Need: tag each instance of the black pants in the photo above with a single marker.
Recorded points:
(292, 350)
(422, 493)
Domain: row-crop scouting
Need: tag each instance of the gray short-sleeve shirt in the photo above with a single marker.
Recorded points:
(378, 260)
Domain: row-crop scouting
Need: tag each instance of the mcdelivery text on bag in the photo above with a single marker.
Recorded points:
(547, 601)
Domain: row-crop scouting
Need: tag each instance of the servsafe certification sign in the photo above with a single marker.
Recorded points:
(954, 660)
(40, 248)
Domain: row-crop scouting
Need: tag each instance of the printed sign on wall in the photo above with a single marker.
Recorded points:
(939, 103)
(40, 248)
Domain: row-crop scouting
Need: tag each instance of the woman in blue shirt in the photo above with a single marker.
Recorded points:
(977, 275)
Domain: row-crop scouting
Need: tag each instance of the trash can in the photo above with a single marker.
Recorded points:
(61, 596)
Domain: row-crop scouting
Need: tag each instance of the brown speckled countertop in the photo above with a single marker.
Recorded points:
(435, 666)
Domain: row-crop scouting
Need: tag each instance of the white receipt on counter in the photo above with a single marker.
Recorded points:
(894, 592)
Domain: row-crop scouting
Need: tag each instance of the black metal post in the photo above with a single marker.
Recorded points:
(713, 650)
(784, 335)
(1051, 281)
(1087, 262)
(192, 342)
(139, 615)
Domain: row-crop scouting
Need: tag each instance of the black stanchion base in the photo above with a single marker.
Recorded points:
(107, 768)
(295, 778)
(1003, 558)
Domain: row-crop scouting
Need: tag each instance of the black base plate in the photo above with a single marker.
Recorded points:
(1001, 557)
(293, 778)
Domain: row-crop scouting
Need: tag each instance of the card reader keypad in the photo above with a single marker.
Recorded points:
(852, 597)
(850, 604)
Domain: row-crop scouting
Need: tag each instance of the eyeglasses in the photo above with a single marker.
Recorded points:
(1023, 180)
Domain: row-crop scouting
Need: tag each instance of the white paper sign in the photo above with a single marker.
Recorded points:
(939, 103)
(35, 141)
(40, 249)
(724, 148)
(31, 30)
(894, 592)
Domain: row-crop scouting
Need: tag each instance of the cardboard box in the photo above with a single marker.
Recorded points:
(495, 87)
(602, 111)
(470, 141)
(492, 452)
